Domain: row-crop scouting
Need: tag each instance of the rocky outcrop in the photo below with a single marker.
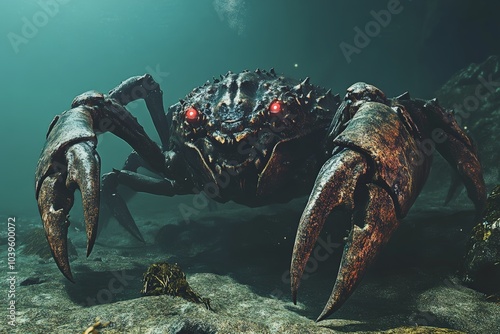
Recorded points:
(482, 260)
(474, 95)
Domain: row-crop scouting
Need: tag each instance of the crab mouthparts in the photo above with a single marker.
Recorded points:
(235, 172)
(238, 160)
(237, 152)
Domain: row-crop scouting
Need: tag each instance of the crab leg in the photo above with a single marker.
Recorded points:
(465, 162)
(139, 183)
(145, 87)
(117, 206)
(459, 150)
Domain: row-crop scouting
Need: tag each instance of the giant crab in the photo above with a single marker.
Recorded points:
(257, 138)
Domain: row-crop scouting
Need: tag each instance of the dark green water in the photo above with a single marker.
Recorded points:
(52, 52)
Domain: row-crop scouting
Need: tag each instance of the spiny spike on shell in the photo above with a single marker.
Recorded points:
(272, 71)
(258, 71)
(404, 96)
(327, 98)
(305, 82)
(432, 102)
(215, 80)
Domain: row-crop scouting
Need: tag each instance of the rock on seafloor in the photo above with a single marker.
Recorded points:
(473, 94)
(238, 310)
(482, 259)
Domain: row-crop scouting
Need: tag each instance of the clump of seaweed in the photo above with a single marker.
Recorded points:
(163, 278)
(35, 243)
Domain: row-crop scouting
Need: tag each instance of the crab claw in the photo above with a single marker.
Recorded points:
(377, 170)
(340, 184)
(68, 161)
(84, 173)
(373, 225)
(54, 203)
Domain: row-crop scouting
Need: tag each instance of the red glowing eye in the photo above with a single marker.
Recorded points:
(275, 107)
(192, 114)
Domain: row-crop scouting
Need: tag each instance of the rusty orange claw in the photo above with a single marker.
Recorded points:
(374, 175)
(373, 221)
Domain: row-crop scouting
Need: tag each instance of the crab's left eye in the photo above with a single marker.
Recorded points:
(275, 107)
(192, 115)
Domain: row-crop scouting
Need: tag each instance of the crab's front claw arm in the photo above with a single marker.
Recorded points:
(376, 172)
(369, 175)
(68, 161)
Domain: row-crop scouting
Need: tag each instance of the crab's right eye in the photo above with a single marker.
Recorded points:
(192, 115)
(275, 107)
